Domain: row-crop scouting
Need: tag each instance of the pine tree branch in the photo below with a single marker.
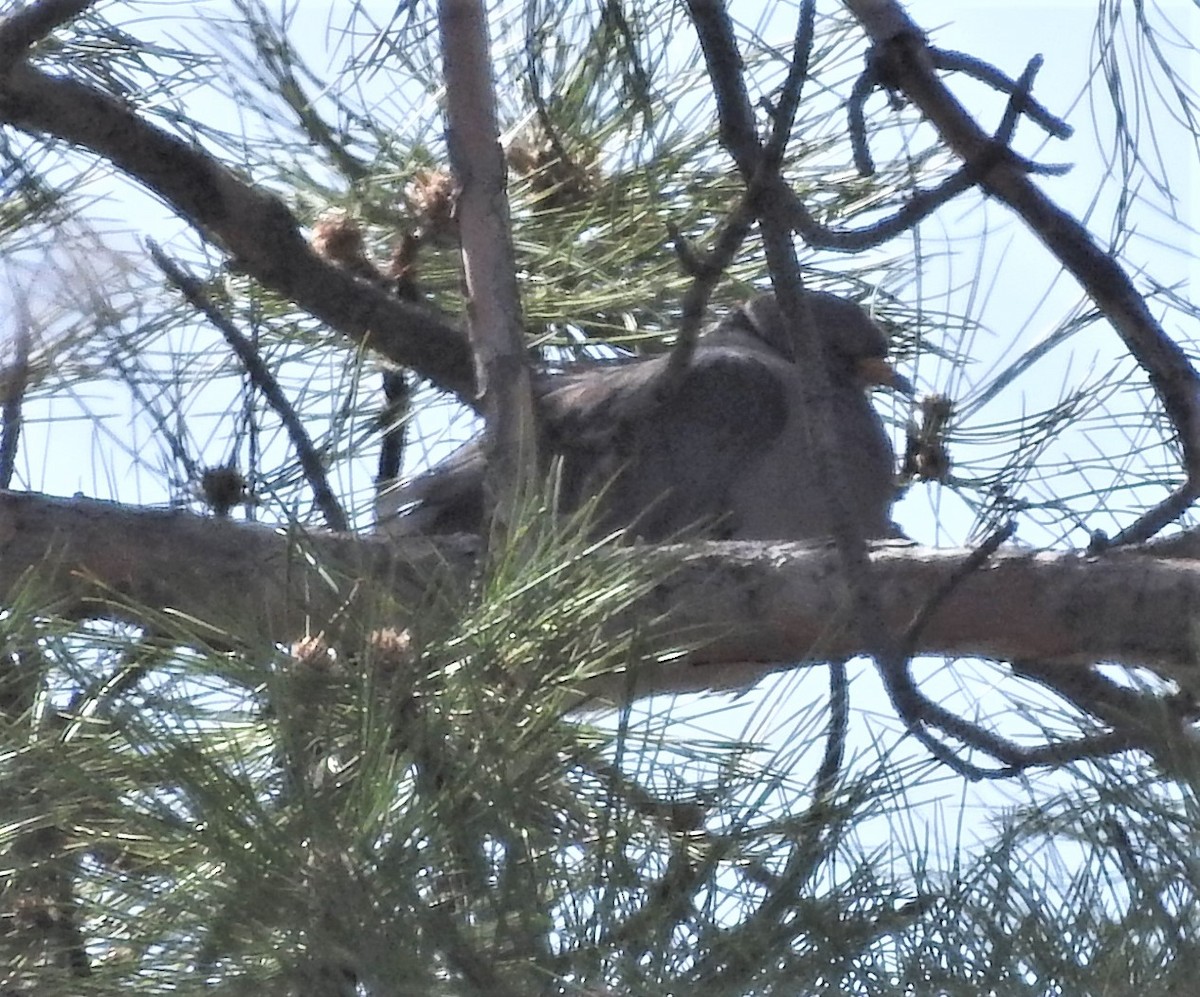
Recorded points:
(28, 25)
(502, 369)
(261, 377)
(750, 607)
(12, 390)
(906, 60)
(255, 227)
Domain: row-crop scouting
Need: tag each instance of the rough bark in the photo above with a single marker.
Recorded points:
(753, 608)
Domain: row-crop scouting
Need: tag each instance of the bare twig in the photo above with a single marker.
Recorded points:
(739, 136)
(393, 419)
(1150, 722)
(1019, 89)
(839, 722)
(339, 238)
(15, 384)
(979, 557)
(877, 73)
(1008, 125)
(789, 95)
(905, 60)
(1019, 94)
(856, 119)
(705, 272)
(975, 170)
(920, 713)
(920, 205)
(262, 378)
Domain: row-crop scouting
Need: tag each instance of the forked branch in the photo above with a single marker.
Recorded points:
(908, 63)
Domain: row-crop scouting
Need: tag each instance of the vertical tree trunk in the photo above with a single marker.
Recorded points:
(489, 269)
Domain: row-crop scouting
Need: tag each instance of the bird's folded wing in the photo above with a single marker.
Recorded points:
(664, 452)
(661, 452)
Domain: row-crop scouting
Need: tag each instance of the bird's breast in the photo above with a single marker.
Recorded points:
(786, 492)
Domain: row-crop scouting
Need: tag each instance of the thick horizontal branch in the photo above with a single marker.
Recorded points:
(754, 605)
(253, 225)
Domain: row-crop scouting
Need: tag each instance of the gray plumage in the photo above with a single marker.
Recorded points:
(721, 450)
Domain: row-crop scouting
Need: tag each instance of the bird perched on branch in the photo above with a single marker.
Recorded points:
(717, 448)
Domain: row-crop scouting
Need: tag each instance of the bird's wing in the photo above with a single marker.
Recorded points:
(664, 454)
(445, 499)
(661, 455)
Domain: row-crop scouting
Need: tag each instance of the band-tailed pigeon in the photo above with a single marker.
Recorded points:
(720, 450)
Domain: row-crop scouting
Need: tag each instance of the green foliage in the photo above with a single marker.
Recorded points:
(430, 811)
(443, 810)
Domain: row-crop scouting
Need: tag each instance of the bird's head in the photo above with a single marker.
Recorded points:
(852, 343)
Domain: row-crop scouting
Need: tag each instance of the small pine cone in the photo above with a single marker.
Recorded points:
(432, 198)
